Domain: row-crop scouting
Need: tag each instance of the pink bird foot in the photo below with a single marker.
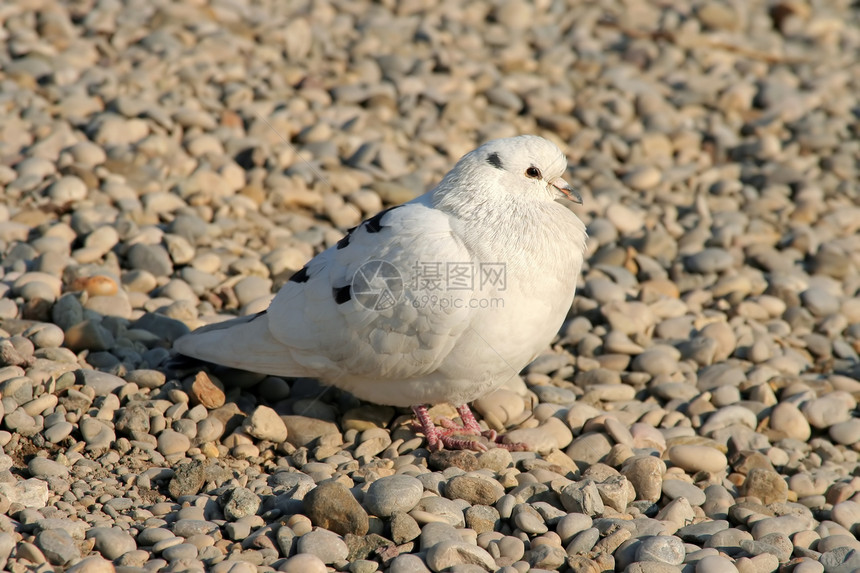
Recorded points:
(449, 435)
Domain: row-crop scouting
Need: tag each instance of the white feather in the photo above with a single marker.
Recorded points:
(484, 212)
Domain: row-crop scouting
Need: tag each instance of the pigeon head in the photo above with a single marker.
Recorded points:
(523, 167)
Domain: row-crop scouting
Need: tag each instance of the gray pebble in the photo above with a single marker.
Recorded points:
(408, 563)
(151, 258)
(44, 468)
(57, 546)
(239, 502)
(183, 551)
(328, 546)
(395, 493)
(111, 542)
(710, 260)
(661, 548)
(819, 301)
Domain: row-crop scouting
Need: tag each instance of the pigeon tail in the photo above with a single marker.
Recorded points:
(249, 345)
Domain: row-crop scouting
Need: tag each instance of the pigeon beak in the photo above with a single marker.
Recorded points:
(568, 191)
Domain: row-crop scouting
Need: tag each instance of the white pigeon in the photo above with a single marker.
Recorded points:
(441, 299)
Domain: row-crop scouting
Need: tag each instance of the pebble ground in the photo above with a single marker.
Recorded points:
(168, 162)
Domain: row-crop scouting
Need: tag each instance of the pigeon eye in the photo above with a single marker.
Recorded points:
(533, 172)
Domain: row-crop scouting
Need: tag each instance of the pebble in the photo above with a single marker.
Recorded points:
(474, 490)
(790, 421)
(330, 505)
(31, 492)
(662, 549)
(239, 503)
(673, 489)
(265, 424)
(44, 468)
(110, 542)
(715, 564)
(93, 564)
(698, 458)
(711, 260)
(57, 546)
(825, 411)
(327, 546)
(645, 474)
(304, 563)
(448, 554)
(766, 485)
(393, 493)
(172, 443)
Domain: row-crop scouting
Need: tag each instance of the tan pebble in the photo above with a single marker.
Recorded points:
(302, 430)
(98, 285)
(210, 450)
(846, 514)
(579, 414)
(207, 392)
(715, 564)
(473, 489)
(625, 219)
(367, 417)
(725, 337)
(805, 538)
(619, 342)
(643, 178)
(839, 492)
(244, 451)
(86, 255)
(629, 317)
(645, 473)
(300, 524)
(552, 434)
(762, 563)
(738, 97)
(52, 283)
(264, 423)
(651, 290)
(513, 14)
(424, 517)
(561, 460)
(787, 419)
(698, 458)
(499, 408)
(767, 485)
(618, 455)
(677, 512)
(94, 564)
(449, 553)
(610, 392)
(304, 563)
(738, 285)
(237, 437)
(496, 459)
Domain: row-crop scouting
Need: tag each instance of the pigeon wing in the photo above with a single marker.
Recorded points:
(378, 305)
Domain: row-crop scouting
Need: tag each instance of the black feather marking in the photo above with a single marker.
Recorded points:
(344, 242)
(300, 276)
(342, 294)
(494, 160)
(374, 224)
